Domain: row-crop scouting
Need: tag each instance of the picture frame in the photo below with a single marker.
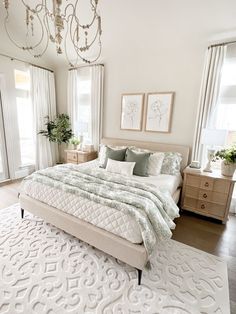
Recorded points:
(132, 111)
(159, 107)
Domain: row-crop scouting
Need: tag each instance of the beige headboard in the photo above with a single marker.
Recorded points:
(159, 147)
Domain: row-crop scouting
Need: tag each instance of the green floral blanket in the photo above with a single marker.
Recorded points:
(152, 209)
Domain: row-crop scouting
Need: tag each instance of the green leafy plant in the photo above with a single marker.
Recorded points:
(228, 155)
(74, 141)
(58, 130)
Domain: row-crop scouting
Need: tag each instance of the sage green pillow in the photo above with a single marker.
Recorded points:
(141, 162)
(114, 154)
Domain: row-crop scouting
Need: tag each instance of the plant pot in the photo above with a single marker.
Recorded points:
(227, 169)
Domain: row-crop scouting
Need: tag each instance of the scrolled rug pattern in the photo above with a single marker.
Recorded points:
(45, 270)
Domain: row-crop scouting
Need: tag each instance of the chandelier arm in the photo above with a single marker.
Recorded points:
(65, 47)
(46, 45)
(35, 10)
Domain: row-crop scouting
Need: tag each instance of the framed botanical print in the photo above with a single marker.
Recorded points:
(132, 112)
(159, 112)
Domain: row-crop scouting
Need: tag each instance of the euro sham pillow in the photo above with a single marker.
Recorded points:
(141, 162)
(171, 163)
(120, 167)
(155, 164)
(102, 152)
(115, 154)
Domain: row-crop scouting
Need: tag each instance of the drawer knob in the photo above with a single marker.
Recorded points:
(205, 195)
(206, 184)
(203, 206)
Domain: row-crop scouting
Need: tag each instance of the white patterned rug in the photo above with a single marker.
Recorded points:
(44, 270)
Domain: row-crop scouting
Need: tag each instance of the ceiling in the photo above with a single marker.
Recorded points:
(131, 25)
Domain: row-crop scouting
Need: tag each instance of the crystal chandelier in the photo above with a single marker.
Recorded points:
(59, 23)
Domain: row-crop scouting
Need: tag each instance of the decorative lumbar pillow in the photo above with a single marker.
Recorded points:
(102, 152)
(141, 162)
(155, 164)
(120, 167)
(171, 163)
(115, 154)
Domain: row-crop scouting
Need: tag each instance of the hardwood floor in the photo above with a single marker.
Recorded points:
(202, 233)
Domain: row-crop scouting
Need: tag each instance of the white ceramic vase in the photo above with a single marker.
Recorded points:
(227, 169)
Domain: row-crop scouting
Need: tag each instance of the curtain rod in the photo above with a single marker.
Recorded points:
(13, 58)
(86, 65)
(223, 44)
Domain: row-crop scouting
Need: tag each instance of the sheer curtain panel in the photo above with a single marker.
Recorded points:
(96, 104)
(44, 104)
(209, 92)
(72, 99)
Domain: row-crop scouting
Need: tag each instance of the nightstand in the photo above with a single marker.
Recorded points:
(78, 157)
(207, 194)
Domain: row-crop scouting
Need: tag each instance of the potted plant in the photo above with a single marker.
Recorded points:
(228, 164)
(75, 142)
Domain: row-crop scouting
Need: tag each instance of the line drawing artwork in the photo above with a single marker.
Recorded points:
(158, 112)
(131, 109)
(130, 114)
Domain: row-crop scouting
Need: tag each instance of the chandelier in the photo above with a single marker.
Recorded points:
(59, 23)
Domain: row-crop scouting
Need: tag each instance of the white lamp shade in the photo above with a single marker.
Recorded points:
(214, 137)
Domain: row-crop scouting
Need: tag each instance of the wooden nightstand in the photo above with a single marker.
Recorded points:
(208, 194)
(78, 157)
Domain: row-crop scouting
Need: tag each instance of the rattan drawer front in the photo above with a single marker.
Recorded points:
(217, 210)
(204, 195)
(206, 183)
(193, 180)
(191, 191)
(190, 203)
(202, 206)
(70, 161)
(82, 158)
(72, 156)
(221, 186)
(219, 198)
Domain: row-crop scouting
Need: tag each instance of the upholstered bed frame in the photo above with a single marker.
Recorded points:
(132, 254)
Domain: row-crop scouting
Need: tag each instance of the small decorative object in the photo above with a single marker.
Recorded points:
(228, 164)
(59, 23)
(195, 164)
(132, 112)
(58, 130)
(213, 138)
(159, 111)
(75, 142)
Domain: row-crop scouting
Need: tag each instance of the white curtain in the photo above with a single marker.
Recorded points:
(44, 104)
(72, 99)
(97, 80)
(209, 93)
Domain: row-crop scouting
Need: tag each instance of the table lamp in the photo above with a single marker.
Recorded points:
(212, 138)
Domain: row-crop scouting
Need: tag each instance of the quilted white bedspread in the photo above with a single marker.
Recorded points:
(102, 216)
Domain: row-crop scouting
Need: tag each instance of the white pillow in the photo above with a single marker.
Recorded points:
(155, 164)
(120, 167)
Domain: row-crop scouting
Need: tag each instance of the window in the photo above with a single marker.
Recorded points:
(226, 109)
(83, 109)
(24, 118)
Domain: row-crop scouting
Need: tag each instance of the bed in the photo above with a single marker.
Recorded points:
(98, 224)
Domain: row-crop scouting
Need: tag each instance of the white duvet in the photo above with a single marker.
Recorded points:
(102, 216)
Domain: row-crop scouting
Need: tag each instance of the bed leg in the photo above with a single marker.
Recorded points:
(139, 276)
(22, 213)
